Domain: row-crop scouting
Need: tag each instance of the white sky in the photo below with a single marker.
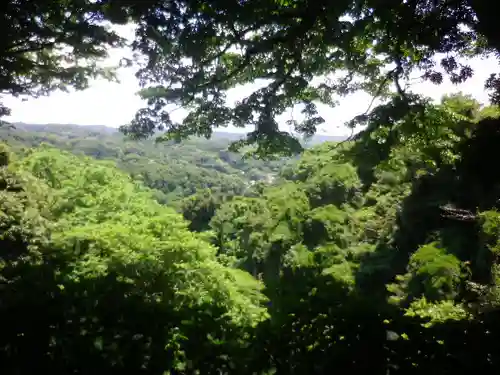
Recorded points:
(114, 104)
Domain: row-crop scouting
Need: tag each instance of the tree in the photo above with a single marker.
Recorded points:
(52, 44)
(462, 104)
(391, 251)
(198, 51)
(116, 280)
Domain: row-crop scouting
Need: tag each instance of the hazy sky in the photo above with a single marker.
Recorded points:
(114, 104)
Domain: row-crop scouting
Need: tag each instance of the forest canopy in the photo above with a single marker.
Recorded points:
(375, 255)
(385, 249)
(111, 268)
(174, 171)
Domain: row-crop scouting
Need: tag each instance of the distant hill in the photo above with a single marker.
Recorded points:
(316, 139)
(320, 138)
(61, 128)
(217, 135)
(174, 170)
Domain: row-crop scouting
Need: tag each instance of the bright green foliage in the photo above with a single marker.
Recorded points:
(23, 222)
(174, 171)
(335, 184)
(377, 256)
(383, 243)
(487, 260)
(199, 209)
(431, 272)
(251, 228)
(437, 312)
(130, 287)
(462, 104)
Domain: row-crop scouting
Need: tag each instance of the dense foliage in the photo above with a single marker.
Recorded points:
(366, 255)
(174, 171)
(97, 276)
(379, 262)
(378, 255)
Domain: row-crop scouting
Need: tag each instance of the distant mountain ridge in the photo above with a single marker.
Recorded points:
(173, 170)
(217, 135)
